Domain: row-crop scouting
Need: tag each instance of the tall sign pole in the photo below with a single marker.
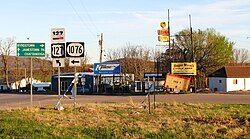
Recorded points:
(169, 32)
(192, 46)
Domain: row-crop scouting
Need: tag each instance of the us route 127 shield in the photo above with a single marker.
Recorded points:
(75, 49)
(58, 50)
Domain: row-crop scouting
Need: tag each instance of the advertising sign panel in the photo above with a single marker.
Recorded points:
(185, 68)
(177, 82)
(107, 68)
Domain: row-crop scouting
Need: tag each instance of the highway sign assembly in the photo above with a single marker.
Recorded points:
(74, 62)
(57, 35)
(107, 68)
(58, 50)
(75, 49)
(58, 62)
(31, 49)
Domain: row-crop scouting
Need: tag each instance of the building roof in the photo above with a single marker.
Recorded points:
(232, 72)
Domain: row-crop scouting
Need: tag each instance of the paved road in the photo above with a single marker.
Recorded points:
(23, 100)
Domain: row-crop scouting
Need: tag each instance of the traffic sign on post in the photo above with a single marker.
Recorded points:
(74, 62)
(58, 62)
(30, 49)
(75, 49)
(58, 50)
(57, 35)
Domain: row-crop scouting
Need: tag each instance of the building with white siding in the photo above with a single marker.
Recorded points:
(230, 78)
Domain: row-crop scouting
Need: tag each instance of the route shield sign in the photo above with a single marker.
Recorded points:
(75, 49)
(57, 35)
(30, 49)
(58, 50)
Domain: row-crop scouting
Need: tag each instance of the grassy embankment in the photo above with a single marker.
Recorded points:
(110, 120)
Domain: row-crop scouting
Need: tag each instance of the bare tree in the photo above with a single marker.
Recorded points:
(241, 56)
(6, 49)
(134, 59)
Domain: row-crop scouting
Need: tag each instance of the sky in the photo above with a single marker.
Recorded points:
(122, 22)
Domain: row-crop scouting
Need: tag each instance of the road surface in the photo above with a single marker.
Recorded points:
(23, 100)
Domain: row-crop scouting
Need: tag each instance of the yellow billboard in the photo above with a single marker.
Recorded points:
(177, 82)
(184, 68)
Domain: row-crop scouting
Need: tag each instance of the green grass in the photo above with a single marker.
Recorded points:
(111, 120)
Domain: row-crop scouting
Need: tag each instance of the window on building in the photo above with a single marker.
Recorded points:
(235, 81)
(220, 81)
(64, 85)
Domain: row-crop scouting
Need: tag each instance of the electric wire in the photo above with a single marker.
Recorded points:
(93, 34)
(89, 17)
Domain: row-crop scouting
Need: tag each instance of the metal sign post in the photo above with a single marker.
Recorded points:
(149, 103)
(59, 83)
(31, 88)
(75, 89)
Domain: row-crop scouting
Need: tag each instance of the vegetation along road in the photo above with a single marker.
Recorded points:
(23, 100)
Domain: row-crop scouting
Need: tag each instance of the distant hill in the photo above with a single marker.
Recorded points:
(42, 69)
(14, 62)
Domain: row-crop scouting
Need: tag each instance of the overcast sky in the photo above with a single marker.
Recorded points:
(121, 21)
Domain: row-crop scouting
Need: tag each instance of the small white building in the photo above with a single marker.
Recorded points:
(23, 83)
(230, 78)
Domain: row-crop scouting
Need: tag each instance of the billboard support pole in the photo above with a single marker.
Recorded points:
(192, 46)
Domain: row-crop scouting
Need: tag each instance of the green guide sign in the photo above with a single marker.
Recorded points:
(31, 49)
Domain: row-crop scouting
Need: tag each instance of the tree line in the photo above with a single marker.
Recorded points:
(210, 49)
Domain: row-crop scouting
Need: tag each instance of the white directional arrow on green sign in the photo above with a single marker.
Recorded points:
(31, 49)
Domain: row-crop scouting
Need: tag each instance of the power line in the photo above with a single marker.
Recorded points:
(90, 19)
(81, 18)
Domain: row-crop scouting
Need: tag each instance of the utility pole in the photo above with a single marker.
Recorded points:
(101, 51)
(101, 46)
(193, 53)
